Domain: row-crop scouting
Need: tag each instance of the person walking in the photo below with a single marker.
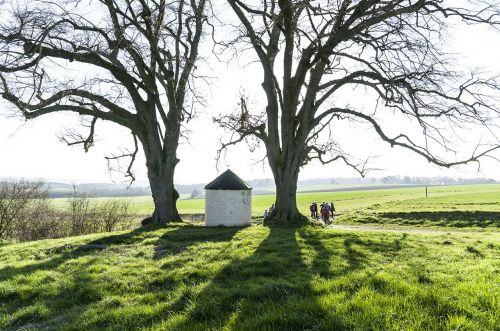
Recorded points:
(332, 209)
(325, 212)
(314, 209)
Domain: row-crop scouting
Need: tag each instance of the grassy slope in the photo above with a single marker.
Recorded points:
(189, 277)
(195, 278)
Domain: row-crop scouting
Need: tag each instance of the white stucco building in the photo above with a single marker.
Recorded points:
(228, 201)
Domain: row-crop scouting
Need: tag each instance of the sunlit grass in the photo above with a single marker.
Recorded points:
(187, 277)
(196, 278)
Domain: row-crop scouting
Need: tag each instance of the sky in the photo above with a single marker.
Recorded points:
(32, 149)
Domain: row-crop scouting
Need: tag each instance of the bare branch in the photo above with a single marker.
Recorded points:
(72, 138)
(404, 141)
(128, 173)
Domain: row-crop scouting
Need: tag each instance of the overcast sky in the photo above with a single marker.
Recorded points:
(32, 149)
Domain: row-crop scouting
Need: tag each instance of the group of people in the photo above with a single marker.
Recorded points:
(324, 210)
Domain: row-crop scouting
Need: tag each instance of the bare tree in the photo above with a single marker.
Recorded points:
(130, 62)
(16, 199)
(39, 220)
(390, 49)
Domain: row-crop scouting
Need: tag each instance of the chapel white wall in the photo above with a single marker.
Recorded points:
(228, 207)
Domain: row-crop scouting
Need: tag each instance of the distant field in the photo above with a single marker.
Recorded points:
(443, 198)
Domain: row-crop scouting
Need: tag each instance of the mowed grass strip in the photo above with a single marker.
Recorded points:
(187, 277)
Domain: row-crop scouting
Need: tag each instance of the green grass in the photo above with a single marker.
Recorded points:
(186, 277)
(440, 276)
(484, 197)
(472, 220)
(459, 206)
(454, 206)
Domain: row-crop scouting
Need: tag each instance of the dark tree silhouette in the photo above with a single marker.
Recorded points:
(130, 62)
(313, 51)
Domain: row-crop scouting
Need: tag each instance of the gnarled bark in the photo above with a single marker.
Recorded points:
(164, 196)
(285, 210)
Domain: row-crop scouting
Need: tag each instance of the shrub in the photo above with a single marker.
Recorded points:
(18, 200)
(26, 213)
(112, 213)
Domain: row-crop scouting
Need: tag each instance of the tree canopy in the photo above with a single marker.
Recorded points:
(312, 52)
(130, 62)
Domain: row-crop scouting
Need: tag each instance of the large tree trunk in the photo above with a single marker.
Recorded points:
(161, 165)
(285, 210)
(161, 180)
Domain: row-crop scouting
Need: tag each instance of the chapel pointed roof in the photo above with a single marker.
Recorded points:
(228, 181)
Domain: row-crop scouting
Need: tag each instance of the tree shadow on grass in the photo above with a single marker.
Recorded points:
(181, 239)
(31, 311)
(172, 268)
(78, 291)
(256, 283)
(272, 288)
(352, 253)
(69, 284)
(355, 255)
(453, 218)
(343, 263)
(66, 252)
(256, 291)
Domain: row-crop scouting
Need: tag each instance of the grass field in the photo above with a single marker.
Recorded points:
(471, 205)
(193, 278)
(442, 273)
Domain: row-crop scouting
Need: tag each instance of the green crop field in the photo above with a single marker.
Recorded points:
(395, 261)
(404, 206)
